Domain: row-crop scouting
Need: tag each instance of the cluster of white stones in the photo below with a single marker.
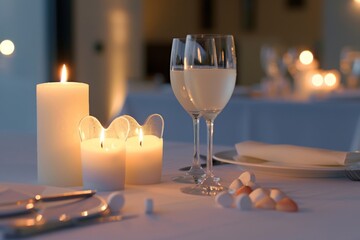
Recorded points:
(245, 194)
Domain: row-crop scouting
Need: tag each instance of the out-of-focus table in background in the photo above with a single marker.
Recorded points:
(318, 123)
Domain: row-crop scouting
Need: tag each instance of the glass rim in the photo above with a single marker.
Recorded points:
(179, 38)
(215, 35)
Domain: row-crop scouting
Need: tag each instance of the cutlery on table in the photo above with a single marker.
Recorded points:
(27, 205)
(38, 224)
(352, 166)
(29, 227)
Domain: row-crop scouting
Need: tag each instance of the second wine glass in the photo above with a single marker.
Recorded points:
(178, 86)
(210, 76)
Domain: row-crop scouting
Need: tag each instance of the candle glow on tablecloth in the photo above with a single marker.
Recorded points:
(103, 154)
(60, 107)
(144, 151)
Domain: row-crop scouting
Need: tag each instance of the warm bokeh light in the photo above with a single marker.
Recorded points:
(330, 79)
(306, 57)
(317, 80)
(7, 47)
(63, 217)
(64, 74)
(85, 213)
(357, 1)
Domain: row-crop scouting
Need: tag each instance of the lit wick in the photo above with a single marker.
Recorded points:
(102, 138)
(64, 75)
(141, 137)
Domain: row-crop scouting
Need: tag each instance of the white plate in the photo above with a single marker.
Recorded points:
(275, 168)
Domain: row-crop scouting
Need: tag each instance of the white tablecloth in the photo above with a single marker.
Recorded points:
(329, 208)
(323, 124)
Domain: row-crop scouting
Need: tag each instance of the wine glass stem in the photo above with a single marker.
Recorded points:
(210, 133)
(196, 157)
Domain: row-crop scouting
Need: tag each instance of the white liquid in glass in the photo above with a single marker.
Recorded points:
(210, 88)
(179, 89)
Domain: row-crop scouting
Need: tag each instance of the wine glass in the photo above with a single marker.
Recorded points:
(180, 91)
(210, 75)
(272, 60)
(350, 67)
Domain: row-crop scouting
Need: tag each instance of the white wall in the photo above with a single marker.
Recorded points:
(116, 24)
(23, 22)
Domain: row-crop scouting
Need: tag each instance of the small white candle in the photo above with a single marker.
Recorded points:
(103, 163)
(324, 81)
(331, 80)
(144, 159)
(305, 67)
(60, 107)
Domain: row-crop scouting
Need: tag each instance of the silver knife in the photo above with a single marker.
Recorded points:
(30, 227)
(27, 205)
(25, 227)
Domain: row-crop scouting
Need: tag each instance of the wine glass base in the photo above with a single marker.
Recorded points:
(209, 186)
(194, 175)
(186, 179)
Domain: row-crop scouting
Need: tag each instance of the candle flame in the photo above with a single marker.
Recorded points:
(141, 136)
(102, 138)
(317, 80)
(64, 75)
(330, 79)
(306, 57)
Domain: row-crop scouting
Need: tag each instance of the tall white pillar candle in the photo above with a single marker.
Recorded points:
(60, 107)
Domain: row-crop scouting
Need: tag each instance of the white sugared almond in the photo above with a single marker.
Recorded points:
(258, 194)
(286, 205)
(115, 201)
(224, 199)
(276, 194)
(265, 203)
(247, 177)
(243, 190)
(243, 202)
(235, 185)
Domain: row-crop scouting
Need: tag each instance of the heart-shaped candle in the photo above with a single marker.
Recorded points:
(144, 150)
(103, 153)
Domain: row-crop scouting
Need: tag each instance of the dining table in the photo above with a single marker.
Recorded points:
(328, 207)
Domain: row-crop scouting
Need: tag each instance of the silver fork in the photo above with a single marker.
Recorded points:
(353, 173)
(352, 166)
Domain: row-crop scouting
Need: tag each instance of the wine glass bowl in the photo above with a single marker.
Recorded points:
(210, 76)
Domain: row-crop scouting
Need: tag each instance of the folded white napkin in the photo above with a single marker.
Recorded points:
(295, 155)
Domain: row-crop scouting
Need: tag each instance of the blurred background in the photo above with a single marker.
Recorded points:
(120, 46)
